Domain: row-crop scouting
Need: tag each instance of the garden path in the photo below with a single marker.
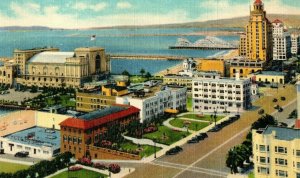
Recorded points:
(144, 141)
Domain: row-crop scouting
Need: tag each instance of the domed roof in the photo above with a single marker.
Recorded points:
(258, 2)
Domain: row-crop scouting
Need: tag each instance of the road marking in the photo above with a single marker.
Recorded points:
(194, 168)
(212, 151)
(189, 169)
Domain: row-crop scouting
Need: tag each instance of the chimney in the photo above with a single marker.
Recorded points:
(297, 124)
(237, 76)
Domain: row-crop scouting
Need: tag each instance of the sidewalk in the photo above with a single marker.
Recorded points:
(144, 141)
(167, 124)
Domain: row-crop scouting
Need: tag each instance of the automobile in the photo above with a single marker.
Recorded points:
(276, 106)
(204, 135)
(171, 152)
(199, 137)
(215, 129)
(275, 100)
(193, 141)
(282, 98)
(233, 118)
(238, 116)
(178, 148)
(280, 109)
(22, 154)
(261, 111)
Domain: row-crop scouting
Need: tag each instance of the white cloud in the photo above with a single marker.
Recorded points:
(52, 17)
(224, 9)
(124, 5)
(86, 6)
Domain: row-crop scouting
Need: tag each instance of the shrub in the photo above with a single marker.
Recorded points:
(85, 161)
(100, 166)
(114, 168)
(75, 168)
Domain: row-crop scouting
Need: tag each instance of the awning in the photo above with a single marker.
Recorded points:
(172, 111)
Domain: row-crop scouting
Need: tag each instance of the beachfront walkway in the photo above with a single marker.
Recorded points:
(144, 141)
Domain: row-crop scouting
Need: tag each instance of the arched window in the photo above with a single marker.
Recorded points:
(56, 70)
(98, 63)
(45, 70)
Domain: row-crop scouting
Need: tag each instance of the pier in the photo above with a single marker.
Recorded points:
(146, 57)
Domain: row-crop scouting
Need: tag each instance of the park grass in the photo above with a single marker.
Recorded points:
(147, 150)
(11, 167)
(204, 118)
(166, 135)
(83, 173)
(251, 175)
(192, 126)
(189, 103)
(64, 101)
(137, 79)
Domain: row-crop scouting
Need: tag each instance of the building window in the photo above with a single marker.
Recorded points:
(263, 170)
(69, 139)
(280, 149)
(298, 153)
(262, 148)
(281, 173)
(280, 161)
(74, 140)
(65, 138)
(79, 140)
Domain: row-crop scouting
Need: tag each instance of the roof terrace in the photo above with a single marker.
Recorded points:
(37, 136)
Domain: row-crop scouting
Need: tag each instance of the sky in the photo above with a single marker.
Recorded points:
(103, 13)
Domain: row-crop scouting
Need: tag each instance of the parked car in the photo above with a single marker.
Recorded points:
(22, 154)
(280, 109)
(174, 151)
(215, 129)
(282, 98)
(276, 106)
(193, 140)
(275, 100)
(261, 111)
(204, 135)
(178, 148)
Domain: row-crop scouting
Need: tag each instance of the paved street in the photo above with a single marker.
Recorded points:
(207, 158)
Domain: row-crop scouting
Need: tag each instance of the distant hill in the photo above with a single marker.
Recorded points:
(16, 28)
(292, 21)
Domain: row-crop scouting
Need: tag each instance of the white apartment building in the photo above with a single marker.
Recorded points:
(155, 101)
(221, 94)
(295, 38)
(281, 41)
(276, 152)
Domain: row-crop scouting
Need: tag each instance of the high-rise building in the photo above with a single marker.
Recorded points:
(243, 46)
(258, 34)
(281, 41)
(295, 38)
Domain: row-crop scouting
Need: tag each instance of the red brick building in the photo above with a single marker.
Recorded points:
(81, 135)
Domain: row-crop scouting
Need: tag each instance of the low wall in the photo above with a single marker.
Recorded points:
(103, 153)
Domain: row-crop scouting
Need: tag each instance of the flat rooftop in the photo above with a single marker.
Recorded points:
(102, 113)
(37, 136)
(271, 73)
(283, 133)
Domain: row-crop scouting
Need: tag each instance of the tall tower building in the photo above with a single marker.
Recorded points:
(259, 34)
(281, 41)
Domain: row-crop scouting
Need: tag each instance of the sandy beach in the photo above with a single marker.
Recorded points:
(175, 69)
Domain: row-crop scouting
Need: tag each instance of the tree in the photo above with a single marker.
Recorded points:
(148, 75)
(125, 72)
(142, 71)
(233, 160)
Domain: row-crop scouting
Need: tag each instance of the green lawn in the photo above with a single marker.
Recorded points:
(192, 126)
(64, 100)
(137, 79)
(147, 150)
(189, 103)
(11, 167)
(204, 118)
(251, 175)
(80, 174)
(166, 135)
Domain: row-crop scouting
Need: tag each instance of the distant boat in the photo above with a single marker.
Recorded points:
(208, 42)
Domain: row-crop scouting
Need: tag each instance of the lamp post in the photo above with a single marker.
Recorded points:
(215, 116)
(154, 142)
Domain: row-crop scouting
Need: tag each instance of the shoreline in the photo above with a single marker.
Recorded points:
(175, 69)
